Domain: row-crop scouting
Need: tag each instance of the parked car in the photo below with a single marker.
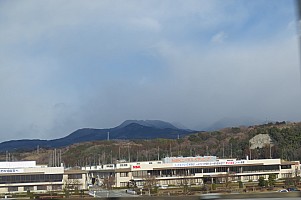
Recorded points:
(163, 186)
(283, 190)
(293, 189)
(129, 191)
(210, 196)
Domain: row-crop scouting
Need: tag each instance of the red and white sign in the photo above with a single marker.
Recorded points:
(217, 163)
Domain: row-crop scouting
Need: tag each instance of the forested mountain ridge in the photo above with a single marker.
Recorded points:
(231, 142)
(128, 130)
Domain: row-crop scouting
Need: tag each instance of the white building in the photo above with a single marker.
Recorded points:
(26, 175)
(193, 170)
(22, 176)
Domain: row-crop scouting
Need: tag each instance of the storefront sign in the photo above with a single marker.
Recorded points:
(189, 159)
(216, 163)
(6, 171)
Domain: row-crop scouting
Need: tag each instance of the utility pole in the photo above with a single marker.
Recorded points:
(147, 156)
(231, 151)
(223, 150)
(250, 150)
(129, 153)
(55, 161)
(60, 157)
(270, 151)
(111, 156)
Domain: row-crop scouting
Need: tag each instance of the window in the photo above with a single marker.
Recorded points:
(31, 178)
(168, 172)
(196, 170)
(124, 174)
(123, 184)
(287, 175)
(285, 166)
(41, 187)
(222, 169)
(28, 188)
(234, 169)
(13, 189)
(260, 168)
(209, 170)
(74, 176)
(139, 173)
(56, 187)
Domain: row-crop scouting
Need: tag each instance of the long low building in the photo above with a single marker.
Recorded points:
(190, 170)
(16, 177)
(23, 176)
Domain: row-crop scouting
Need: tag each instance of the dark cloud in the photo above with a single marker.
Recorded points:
(66, 66)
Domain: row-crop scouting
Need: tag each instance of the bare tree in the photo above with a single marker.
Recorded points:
(149, 183)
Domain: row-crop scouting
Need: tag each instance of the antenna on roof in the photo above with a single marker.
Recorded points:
(298, 5)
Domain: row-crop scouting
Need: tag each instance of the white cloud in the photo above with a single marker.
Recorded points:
(219, 37)
(67, 65)
(147, 24)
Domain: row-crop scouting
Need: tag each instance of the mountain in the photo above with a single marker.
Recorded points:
(232, 142)
(179, 125)
(233, 122)
(128, 130)
(149, 123)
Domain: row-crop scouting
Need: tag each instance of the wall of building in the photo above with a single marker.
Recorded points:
(198, 172)
(22, 176)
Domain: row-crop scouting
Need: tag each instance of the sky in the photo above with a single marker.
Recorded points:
(70, 64)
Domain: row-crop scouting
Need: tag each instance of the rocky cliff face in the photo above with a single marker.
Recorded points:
(260, 141)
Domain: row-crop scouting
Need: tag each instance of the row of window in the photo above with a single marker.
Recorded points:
(31, 178)
(124, 174)
(75, 176)
(192, 171)
(168, 182)
(31, 188)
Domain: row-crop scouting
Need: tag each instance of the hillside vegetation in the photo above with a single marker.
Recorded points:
(225, 143)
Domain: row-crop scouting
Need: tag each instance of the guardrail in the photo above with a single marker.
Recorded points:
(220, 196)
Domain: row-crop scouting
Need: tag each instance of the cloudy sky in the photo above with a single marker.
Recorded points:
(66, 65)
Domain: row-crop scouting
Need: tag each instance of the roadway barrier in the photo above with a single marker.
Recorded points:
(222, 196)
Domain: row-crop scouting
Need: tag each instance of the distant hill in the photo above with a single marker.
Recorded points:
(232, 142)
(233, 122)
(149, 123)
(128, 130)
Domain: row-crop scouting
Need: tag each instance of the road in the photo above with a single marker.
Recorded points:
(122, 194)
(112, 193)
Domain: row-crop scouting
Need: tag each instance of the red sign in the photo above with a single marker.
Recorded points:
(136, 167)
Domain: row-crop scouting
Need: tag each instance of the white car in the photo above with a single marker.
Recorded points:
(211, 196)
(283, 190)
(130, 191)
